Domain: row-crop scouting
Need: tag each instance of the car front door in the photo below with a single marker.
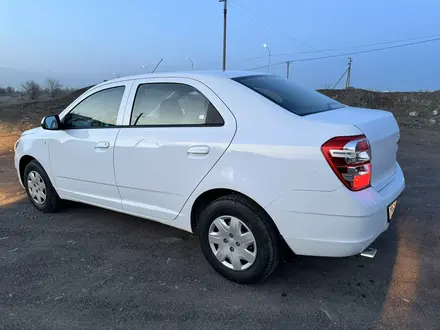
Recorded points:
(81, 153)
(174, 133)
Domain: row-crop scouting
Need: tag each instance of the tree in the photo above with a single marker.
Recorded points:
(53, 87)
(32, 88)
(10, 90)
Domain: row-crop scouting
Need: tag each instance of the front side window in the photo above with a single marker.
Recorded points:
(290, 96)
(99, 110)
(169, 104)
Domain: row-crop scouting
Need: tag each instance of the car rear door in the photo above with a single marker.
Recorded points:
(81, 153)
(175, 130)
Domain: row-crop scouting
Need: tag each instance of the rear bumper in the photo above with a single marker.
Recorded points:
(339, 223)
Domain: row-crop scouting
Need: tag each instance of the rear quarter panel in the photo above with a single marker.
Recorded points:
(273, 152)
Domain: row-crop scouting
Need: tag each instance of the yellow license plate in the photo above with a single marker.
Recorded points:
(391, 209)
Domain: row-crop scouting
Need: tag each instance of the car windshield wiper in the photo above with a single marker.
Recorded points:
(137, 118)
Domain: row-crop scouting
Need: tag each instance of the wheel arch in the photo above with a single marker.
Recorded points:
(211, 195)
(24, 160)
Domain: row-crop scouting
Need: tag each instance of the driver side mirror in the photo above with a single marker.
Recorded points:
(51, 122)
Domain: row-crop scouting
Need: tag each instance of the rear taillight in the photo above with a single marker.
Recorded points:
(350, 159)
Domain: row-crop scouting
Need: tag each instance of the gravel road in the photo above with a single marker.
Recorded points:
(90, 268)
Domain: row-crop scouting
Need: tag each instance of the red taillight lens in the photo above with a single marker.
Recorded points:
(350, 159)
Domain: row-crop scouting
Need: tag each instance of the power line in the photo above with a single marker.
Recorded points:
(352, 53)
(345, 48)
(328, 50)
(250, 12)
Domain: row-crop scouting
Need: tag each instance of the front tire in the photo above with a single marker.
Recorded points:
(39, 188)
(239, 239)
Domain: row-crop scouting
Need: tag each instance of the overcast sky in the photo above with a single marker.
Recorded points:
(85, 41)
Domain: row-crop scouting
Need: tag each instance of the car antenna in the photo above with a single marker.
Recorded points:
(157, 65)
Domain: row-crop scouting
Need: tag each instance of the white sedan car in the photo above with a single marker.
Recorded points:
(246, 161)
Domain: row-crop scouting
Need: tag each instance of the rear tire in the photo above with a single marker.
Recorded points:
(39, 188)
(234, 256)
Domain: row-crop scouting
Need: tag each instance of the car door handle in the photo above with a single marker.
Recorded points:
(102, 145)
(198, 150)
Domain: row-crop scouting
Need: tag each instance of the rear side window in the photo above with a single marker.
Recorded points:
(170, 104)
(290, 96)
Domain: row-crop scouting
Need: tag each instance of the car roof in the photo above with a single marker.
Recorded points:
(198, 75)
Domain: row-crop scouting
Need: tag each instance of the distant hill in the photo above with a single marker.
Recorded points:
(423, 106)
(17, 117)
(14, 78)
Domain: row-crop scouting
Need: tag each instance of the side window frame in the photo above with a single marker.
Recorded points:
(172, 125)
(205, 91)
(127, 84)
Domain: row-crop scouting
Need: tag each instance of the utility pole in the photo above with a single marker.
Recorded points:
(347, 85)
(287, 69)
(225, 12)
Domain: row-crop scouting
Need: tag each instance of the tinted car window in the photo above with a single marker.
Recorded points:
(290, 96)
(96, 111)
(172, 104)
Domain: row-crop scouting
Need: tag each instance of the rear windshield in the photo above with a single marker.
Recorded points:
(290, 96)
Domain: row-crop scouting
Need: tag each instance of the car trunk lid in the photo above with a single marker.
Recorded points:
(381, 130)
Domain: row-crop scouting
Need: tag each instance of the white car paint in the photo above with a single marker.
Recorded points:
(263, 151)
(169, 161)
(82, 159)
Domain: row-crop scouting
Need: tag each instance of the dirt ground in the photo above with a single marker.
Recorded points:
(85, 267)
